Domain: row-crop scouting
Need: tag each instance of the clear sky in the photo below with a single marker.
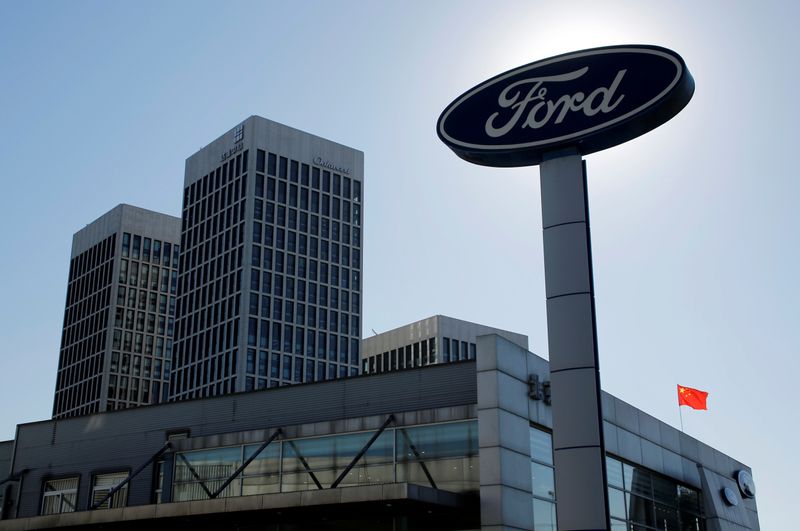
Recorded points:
(694, 224)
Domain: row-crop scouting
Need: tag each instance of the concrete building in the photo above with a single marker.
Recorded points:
(449, 446)
(437, 339)
(270, 277)
(118, 318)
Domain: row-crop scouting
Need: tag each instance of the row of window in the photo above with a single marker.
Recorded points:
(147, 277)
(314, 177)
(211, 338)
(143, 300)
(87, 285)
(144, 322)
(132, 392)
(61, 495)
(444, 454)
(277, 217)
(307, 315)
(419, 354)
(217, 184)
(81, 397)
(77, 313)
(220, 298)
(638, 499)
(294, 243)
(447, 452)
(224, 230)
(308, 200)
(294, 339)
(83, 338)
(151, 250)
(214, 207)
(265, 282)
(219, 387)
(221, 253)
(86, 367)
(298, 370)
(92, 257)
(148, 345)
(206, 372)
(140, 366)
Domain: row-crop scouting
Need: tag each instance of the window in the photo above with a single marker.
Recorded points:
(638, 497)
(543, 482)
(212, 467)
(449, 451)
(103, 483)
(60, 495)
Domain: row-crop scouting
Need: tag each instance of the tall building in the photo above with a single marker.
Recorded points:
(118, 322)
(437, 339)
(270, 277)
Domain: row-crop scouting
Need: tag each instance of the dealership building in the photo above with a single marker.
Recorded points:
(460, 445)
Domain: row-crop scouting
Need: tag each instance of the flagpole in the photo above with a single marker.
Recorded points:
(680, 412)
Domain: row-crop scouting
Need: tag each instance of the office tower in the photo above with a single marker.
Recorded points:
(118, 321)
(437, 339)
(270, 277)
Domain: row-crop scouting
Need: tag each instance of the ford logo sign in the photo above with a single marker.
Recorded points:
(588, 100)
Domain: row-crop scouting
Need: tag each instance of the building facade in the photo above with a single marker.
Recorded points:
(270, 277)
(116, 343)
(449, 446)
(437, 339)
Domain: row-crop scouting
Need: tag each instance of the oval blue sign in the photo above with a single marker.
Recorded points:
(588, 100)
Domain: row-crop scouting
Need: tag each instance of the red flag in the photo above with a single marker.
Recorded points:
(694, 398)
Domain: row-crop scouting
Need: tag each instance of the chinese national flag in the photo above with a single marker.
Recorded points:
(694, 398)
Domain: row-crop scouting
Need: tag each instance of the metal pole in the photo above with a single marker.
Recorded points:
(578, 447)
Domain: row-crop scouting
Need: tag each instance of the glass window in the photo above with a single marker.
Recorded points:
(544, 515)
(146, 249)
(261, 476)
(126, 244)
(639, 497)
(543, 481)
(60, 495)
(449, 452)
(103, 483)
(327, 457)
(542, 477)
(212, 467)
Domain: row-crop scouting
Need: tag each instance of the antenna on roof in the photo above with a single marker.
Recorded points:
(373, 331)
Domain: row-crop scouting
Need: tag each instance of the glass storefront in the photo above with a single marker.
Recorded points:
(446, 453)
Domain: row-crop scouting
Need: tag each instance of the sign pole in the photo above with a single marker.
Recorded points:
(578, 446)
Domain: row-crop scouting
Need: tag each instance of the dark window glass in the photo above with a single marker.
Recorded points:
(260, 156)
(283, 170)
(126, 244)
